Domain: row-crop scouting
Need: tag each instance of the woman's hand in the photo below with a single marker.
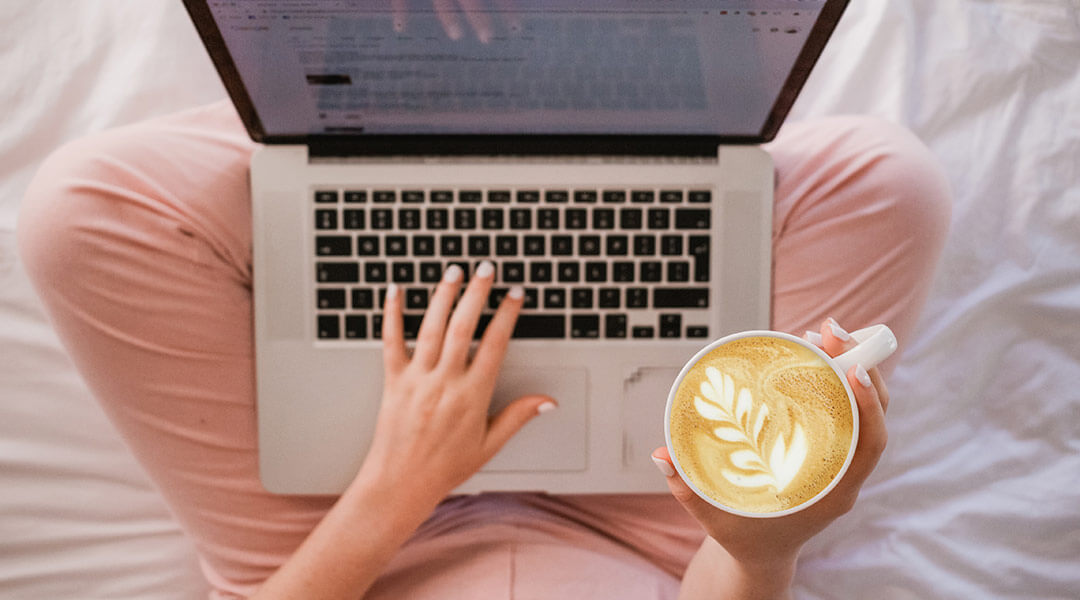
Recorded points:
(776, 541)
(433, 430)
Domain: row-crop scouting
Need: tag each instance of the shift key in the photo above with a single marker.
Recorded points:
(681, 298)
(540, 326)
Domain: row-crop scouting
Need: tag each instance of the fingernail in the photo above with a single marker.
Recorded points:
(838, 331)
(546, 407)
(516, 292)
(391, 291)
(814, 338)
(453, 273)
(863, 376)
(664, 466)
(486, 269)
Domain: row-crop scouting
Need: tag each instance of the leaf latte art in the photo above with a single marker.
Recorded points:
(761, 424)
(720, 404)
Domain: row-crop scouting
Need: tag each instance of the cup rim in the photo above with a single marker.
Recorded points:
(762, 333)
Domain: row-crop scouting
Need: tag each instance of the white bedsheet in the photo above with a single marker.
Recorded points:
(978, 494)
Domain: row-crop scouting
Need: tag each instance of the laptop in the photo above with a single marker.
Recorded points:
(603, 154)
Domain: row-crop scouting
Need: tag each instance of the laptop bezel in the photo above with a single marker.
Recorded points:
(512, 144)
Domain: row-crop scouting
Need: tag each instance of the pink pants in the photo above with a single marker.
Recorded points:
(139, 242)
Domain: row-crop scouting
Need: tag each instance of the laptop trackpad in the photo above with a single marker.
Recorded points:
(555, 440)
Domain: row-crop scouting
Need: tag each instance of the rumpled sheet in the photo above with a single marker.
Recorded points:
(978, 494)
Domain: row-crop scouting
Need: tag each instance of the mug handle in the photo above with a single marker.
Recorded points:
(876, 343)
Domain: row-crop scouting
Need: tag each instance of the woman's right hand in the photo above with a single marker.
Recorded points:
(433, 431)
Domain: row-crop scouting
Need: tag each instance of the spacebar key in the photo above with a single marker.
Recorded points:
(540, 326)
(681, 298)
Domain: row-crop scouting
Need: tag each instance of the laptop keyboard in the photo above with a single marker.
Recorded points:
(605, 263)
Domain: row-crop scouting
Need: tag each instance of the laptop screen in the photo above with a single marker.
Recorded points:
(715, 68)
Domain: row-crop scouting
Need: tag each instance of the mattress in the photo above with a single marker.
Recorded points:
(978, 493)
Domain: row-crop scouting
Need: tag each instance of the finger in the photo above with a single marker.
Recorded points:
(814, 338)
(447, 13)
(479, 18)
(835, 340)
(698, 508)
(400, 10)
(394, 356)
(489, 355)
(872, 433)
(882, 390)
(459, 332)
(512, 418)
(430, 339)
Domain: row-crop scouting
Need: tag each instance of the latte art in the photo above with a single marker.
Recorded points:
(761, 424)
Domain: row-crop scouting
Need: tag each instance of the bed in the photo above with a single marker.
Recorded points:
(978, 494)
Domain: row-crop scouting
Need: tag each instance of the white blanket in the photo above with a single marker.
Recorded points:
(978, 494)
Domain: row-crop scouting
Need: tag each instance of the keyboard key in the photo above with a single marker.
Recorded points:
(697, 331)
(479, 245)
(609, 298)
(465, 218)
(506, 245)
(495, 296)
(450, 245)
(355, 327)
(644, 245)
(330, 298)
(412, 196)
(355, 196)
(383, 196)
(326, 196)
(411, 325)
(585, 196)
(680, 298)
(499, 197)
(375, 272)
(700, 196)
(396, 245)
(416, 298)
(569, 272)
(430, 272)
(670, 325)
(363, 298)
(651, 270)
(614, 196)
(589, 245)
(547, 218)
(671, 245)
(423, 245)
(562, 245)
(615, 326)
(438, 218)
(554, 298)
(409, 218)
(595, 271)
(540, 326)
(464, 266)
(337, 272)
(630, 218)
(382, 218)
(329, 327)
(513, 272)
(643, 331)
(671, 196)
(491, 218)
(603, 218)
(403, 272)
(622, 271)
(354, 218)
(520, 218)
(581, 297)
(692, 218)
(678, 271)
(326, 219)
(333, 245)
(642, 196)
(376, 327)
(540, 272)
(617, 245)
(531, 298)
(535, 245)
(471, 196)
(442, 196)
(659, 218)
(528, 196)
(585, 326)
(698, 246)
(557, 196)
(576, 218)
(637, 298)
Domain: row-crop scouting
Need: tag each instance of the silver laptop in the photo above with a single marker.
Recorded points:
(601, 154)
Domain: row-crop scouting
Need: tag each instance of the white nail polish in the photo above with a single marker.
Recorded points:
(863, 376)
(546, 407)
(486, 269)
(814, 338)
(516, 292)
(838, 331)
(391, 291)
(664, 466)
(452, 274)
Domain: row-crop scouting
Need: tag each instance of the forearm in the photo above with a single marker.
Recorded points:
(713, 574)
(350, 547)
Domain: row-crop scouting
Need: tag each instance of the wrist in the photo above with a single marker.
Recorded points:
(400, 509)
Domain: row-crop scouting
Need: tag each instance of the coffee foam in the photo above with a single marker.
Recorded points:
(761, 424)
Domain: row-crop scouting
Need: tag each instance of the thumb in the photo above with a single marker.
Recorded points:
(513, 417)
(698, 508)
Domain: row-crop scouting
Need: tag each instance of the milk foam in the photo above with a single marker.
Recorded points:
(761, 424)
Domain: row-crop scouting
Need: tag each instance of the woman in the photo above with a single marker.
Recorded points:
(139, 242)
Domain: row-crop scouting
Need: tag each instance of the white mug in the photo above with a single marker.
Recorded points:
(875, 344)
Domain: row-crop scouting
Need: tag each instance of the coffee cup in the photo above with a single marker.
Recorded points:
(765, 424)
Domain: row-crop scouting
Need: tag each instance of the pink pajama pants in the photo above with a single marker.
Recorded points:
(138, 240)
